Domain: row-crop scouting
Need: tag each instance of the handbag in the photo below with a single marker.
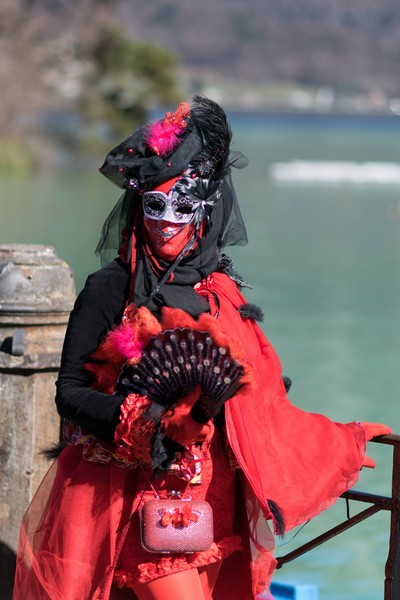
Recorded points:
(176, 526)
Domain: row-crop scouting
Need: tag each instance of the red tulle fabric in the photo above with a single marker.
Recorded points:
(73, 530)
(78, 523)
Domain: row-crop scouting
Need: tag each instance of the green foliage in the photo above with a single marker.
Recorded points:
(128, 77)
(15, 156)
(87, 80)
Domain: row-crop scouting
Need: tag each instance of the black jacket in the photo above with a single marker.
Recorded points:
(97, 309)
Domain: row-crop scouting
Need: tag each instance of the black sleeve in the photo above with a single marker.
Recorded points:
(97, 309)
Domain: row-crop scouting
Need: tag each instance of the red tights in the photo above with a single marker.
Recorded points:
(194, 584)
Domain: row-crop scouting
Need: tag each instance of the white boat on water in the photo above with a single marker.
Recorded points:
(336, 172)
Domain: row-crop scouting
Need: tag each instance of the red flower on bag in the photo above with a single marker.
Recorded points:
(181, 516)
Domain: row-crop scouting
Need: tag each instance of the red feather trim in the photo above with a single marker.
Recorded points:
(125, 343)
(176, 317)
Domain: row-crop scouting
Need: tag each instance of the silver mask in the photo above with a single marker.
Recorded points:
(172, 207)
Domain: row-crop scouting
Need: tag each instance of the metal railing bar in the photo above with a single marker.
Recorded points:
(384, 502)
(392, 439)
(368, 512)
(392, 567)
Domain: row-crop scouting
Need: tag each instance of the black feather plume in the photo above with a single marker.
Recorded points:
(287, 382)
(53, 451)
(225, 265)
(211, 120)
(277, 515)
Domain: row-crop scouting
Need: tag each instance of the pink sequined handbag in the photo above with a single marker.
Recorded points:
(176, 526)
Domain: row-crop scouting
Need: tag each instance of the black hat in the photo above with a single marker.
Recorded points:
(198, 135)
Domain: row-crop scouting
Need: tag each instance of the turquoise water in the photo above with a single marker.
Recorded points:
(324, 262)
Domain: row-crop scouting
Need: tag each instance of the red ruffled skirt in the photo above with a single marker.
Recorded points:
(81, 531)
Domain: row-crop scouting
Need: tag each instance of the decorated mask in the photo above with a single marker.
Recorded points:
(168, 218)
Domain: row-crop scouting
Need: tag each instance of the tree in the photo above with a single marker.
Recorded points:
(127, 78)
(66, 67)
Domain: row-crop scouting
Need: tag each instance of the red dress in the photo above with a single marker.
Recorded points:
(77, 535)
(136, 565)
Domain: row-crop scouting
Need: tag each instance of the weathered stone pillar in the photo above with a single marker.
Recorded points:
(36, 295)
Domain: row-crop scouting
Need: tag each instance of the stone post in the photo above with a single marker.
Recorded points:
(36, 295)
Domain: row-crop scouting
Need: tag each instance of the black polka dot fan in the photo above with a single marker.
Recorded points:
(174, 361)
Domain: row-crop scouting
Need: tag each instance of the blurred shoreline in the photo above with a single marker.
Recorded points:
(70, 143)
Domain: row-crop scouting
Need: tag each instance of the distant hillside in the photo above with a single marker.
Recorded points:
(351, 47)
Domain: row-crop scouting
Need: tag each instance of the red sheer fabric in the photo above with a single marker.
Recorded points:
(302, 461)
(73, 530)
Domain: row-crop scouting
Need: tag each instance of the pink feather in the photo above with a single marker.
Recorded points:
(163, 135)
(126, 342)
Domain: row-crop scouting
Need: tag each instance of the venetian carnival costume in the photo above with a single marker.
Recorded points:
(257, 459)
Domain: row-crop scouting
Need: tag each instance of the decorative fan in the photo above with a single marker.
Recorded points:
(174, 361)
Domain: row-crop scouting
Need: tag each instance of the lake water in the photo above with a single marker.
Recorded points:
(324, 260)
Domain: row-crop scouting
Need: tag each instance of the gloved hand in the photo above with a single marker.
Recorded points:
(373, 430)
(179, 426)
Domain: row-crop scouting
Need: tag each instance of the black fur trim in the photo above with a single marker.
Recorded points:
(53, 451)
(225, 265)
(277, 515)
(287, 382)
(251, 311)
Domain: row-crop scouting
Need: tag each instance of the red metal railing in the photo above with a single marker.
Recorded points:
(378, 503)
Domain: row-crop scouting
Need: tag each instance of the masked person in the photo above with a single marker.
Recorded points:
(169, 309)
